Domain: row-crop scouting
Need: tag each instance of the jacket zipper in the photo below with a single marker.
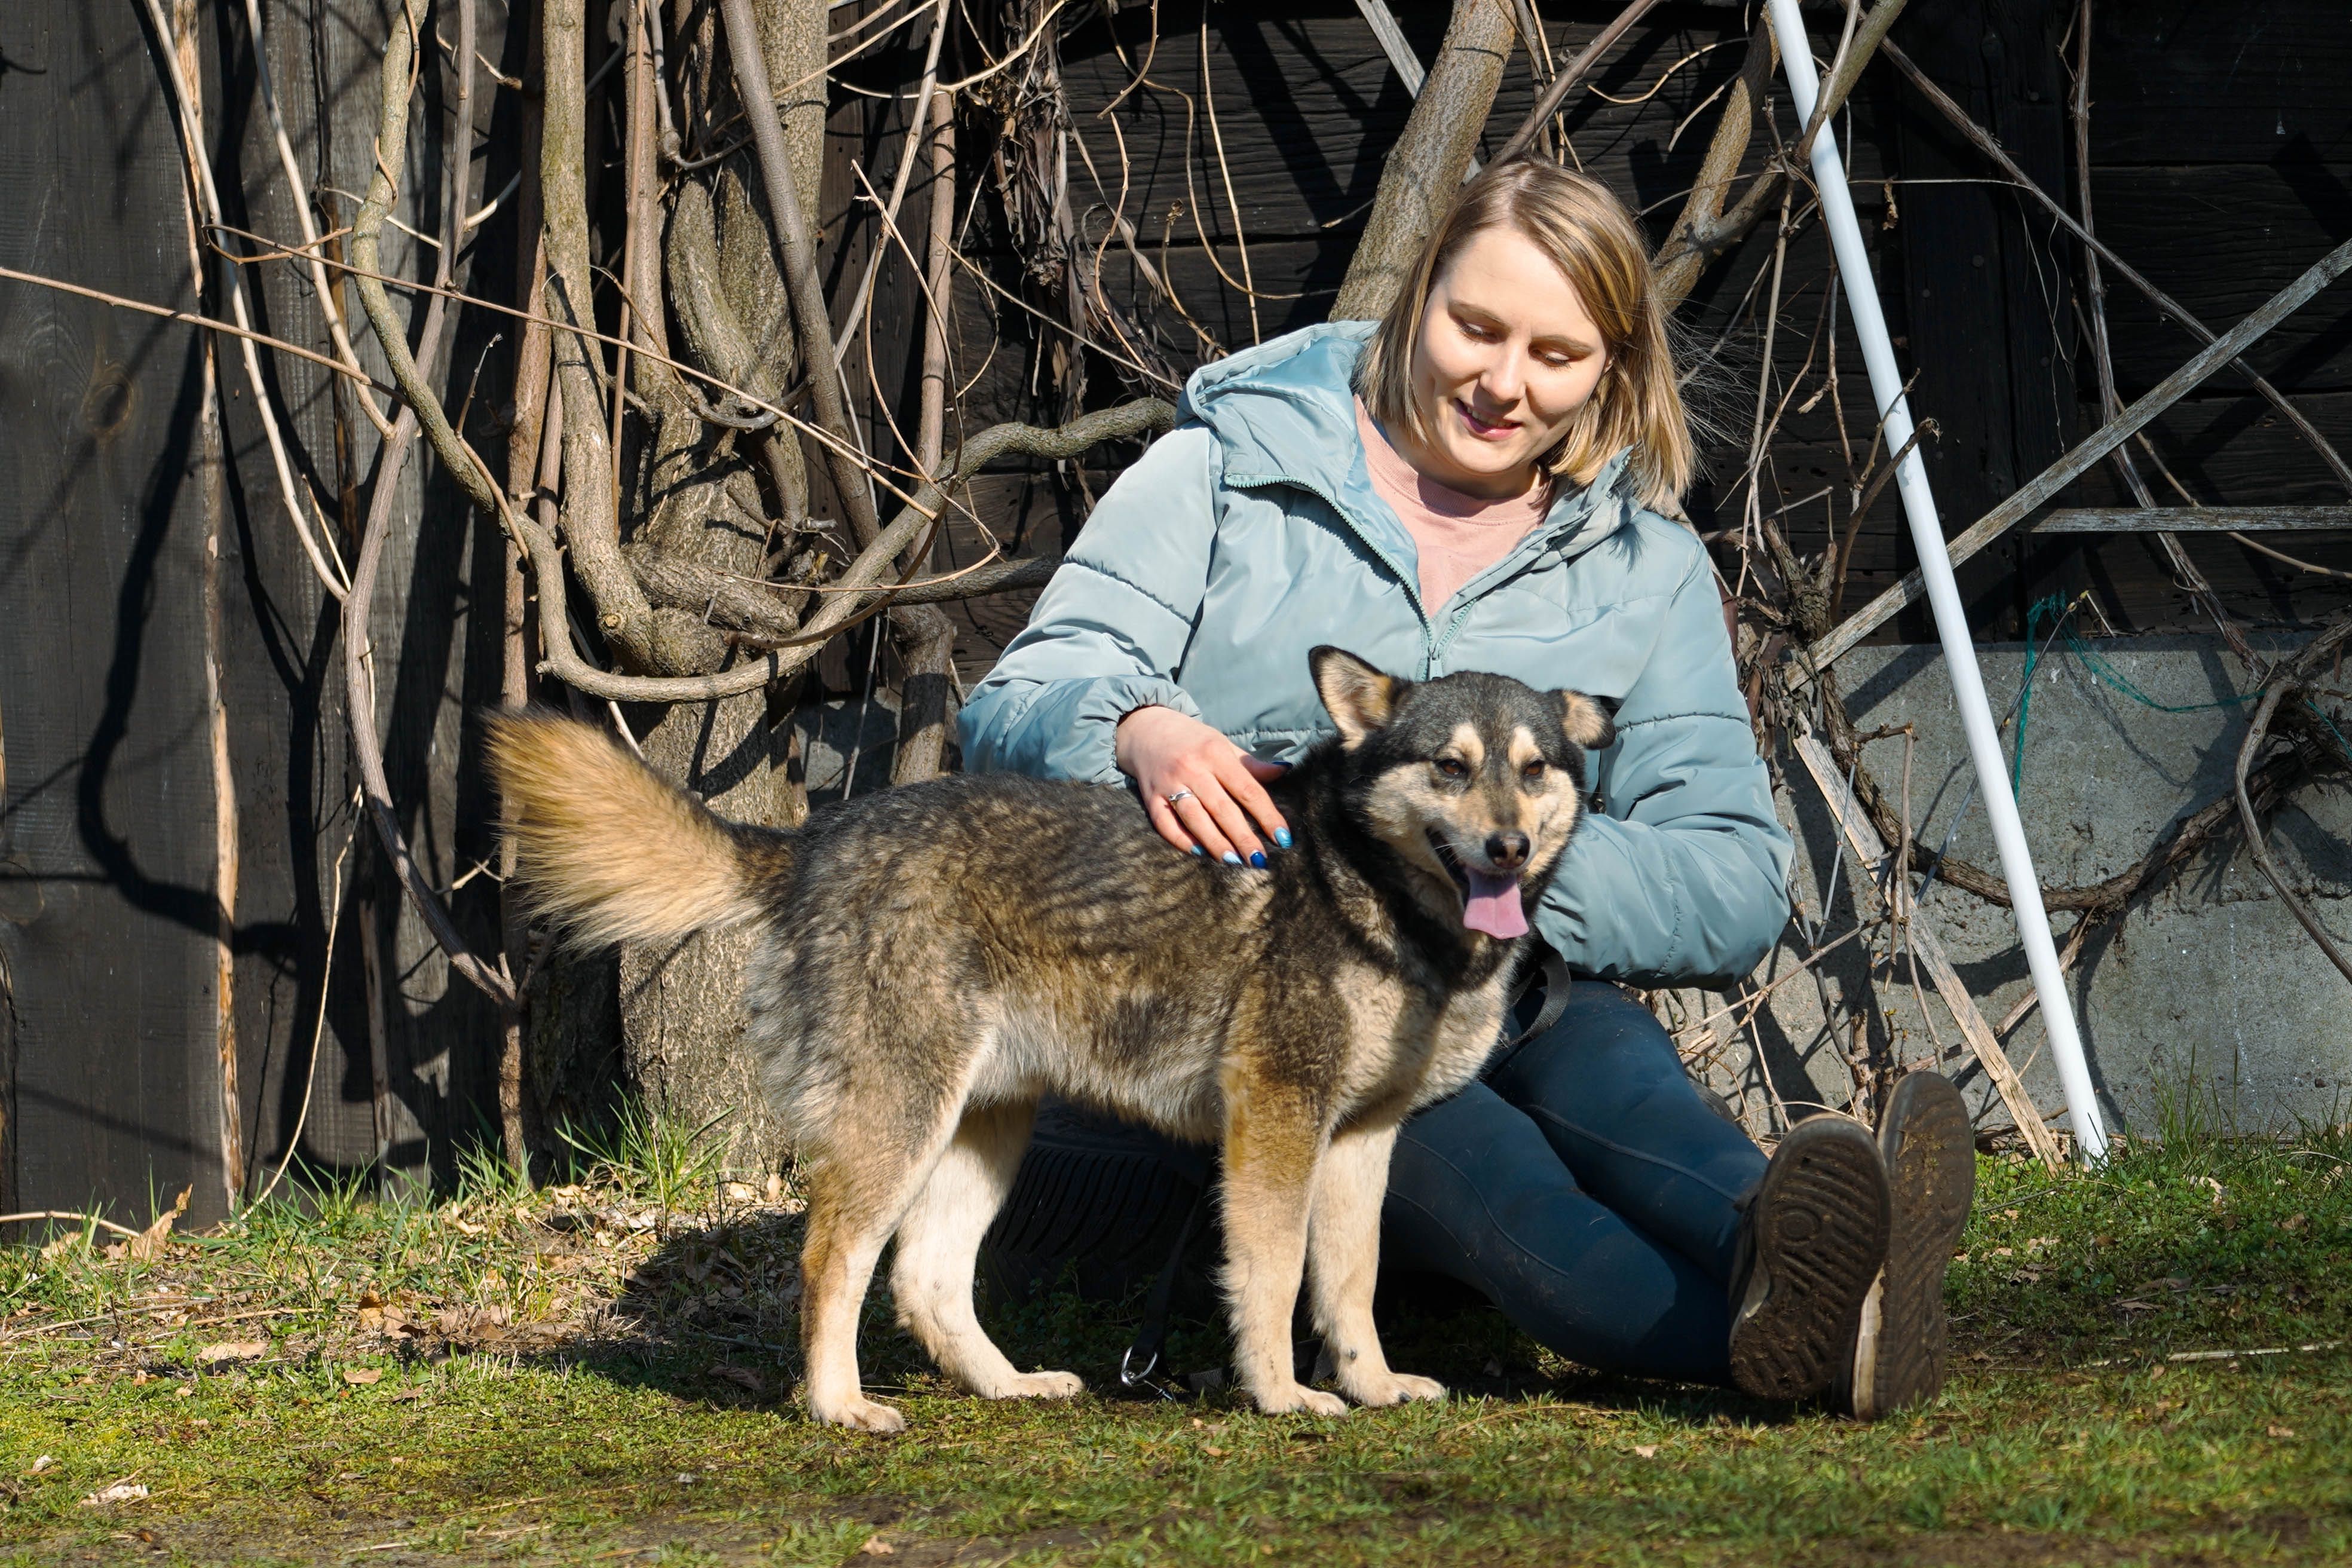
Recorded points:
(1529, 547)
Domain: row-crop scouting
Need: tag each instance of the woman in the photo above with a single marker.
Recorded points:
(1479, 481)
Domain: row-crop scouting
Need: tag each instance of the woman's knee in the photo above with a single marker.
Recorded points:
(1606, 1050)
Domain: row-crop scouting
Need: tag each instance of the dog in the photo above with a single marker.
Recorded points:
(937, 958)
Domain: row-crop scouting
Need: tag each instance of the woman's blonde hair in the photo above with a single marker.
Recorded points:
(1594, 242)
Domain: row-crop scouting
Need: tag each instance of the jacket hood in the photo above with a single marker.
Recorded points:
(1284, 413)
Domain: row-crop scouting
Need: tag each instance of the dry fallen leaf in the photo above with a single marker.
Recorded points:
(743, 1377)
(233, 1349)
(1647, 1450)
(1212, 1450)
(362, 1376)
(877, 1547)
(148, 1243)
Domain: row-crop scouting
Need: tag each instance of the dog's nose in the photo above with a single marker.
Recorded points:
(1507, 851)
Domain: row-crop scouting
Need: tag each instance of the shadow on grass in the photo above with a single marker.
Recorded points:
(713, 1317)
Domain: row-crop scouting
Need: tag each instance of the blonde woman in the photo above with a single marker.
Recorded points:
(1485, 480)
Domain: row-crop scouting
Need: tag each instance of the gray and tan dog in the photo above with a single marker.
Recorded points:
(937, 958)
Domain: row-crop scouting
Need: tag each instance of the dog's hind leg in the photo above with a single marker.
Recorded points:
(1343, 1262)
(861, 1184)
(1272, 1140)
(938, 1243)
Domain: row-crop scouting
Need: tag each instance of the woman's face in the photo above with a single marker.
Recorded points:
(1507, 355)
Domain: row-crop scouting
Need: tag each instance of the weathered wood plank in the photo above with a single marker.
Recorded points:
(2193, 519)
(2232, 448)
(2012, 510)
(109, 812)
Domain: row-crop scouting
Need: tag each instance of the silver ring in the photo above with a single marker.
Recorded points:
(1179, 794)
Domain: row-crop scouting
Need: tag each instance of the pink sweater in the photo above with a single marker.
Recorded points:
(1457, 535)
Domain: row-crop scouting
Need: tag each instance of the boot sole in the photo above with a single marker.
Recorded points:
(1821, 1218)
(1931, 1175)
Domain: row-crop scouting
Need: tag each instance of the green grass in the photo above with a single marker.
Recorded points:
(573, 1376)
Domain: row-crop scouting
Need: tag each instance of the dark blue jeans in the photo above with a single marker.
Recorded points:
(1585, 1188)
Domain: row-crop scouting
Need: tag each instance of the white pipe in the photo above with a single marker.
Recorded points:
(1943, 594)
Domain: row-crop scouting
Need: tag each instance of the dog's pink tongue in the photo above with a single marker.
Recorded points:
(1493, 906)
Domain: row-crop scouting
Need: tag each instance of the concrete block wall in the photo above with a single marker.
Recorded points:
(2205, 1000)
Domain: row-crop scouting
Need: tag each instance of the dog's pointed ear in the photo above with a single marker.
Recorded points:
(1590, 722)
(1360, 699)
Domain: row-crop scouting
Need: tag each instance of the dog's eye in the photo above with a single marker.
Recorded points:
(1453, 767)
(1533, 772)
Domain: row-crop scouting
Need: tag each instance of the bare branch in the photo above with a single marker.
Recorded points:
(2284, 681)
(1556, 93)
(591, 522)
(913, 522)
(796, 253)
(2090, 450)
(359, 674)
(1424, 169)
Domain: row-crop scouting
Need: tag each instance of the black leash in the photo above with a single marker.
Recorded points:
(1556, 982)
(1152, 1338)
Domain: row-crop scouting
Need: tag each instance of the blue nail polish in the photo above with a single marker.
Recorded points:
(1232, 858)
(1257, 858)
(1282, 838)
(1198, 850)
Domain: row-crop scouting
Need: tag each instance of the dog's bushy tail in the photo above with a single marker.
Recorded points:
(607, 850)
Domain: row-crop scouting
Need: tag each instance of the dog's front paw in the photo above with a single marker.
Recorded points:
(1036, 1385)
(1392, 1388)
(1284, 1399)
(859, 1414)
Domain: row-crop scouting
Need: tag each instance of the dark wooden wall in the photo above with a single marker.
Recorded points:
(108, 922)
(110, 883)
(2221, 145)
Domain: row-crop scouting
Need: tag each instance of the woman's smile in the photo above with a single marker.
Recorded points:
(1495, 429)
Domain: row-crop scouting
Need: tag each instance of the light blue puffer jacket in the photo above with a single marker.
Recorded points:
(1251, 532)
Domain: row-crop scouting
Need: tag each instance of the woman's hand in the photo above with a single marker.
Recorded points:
(1222, 806)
